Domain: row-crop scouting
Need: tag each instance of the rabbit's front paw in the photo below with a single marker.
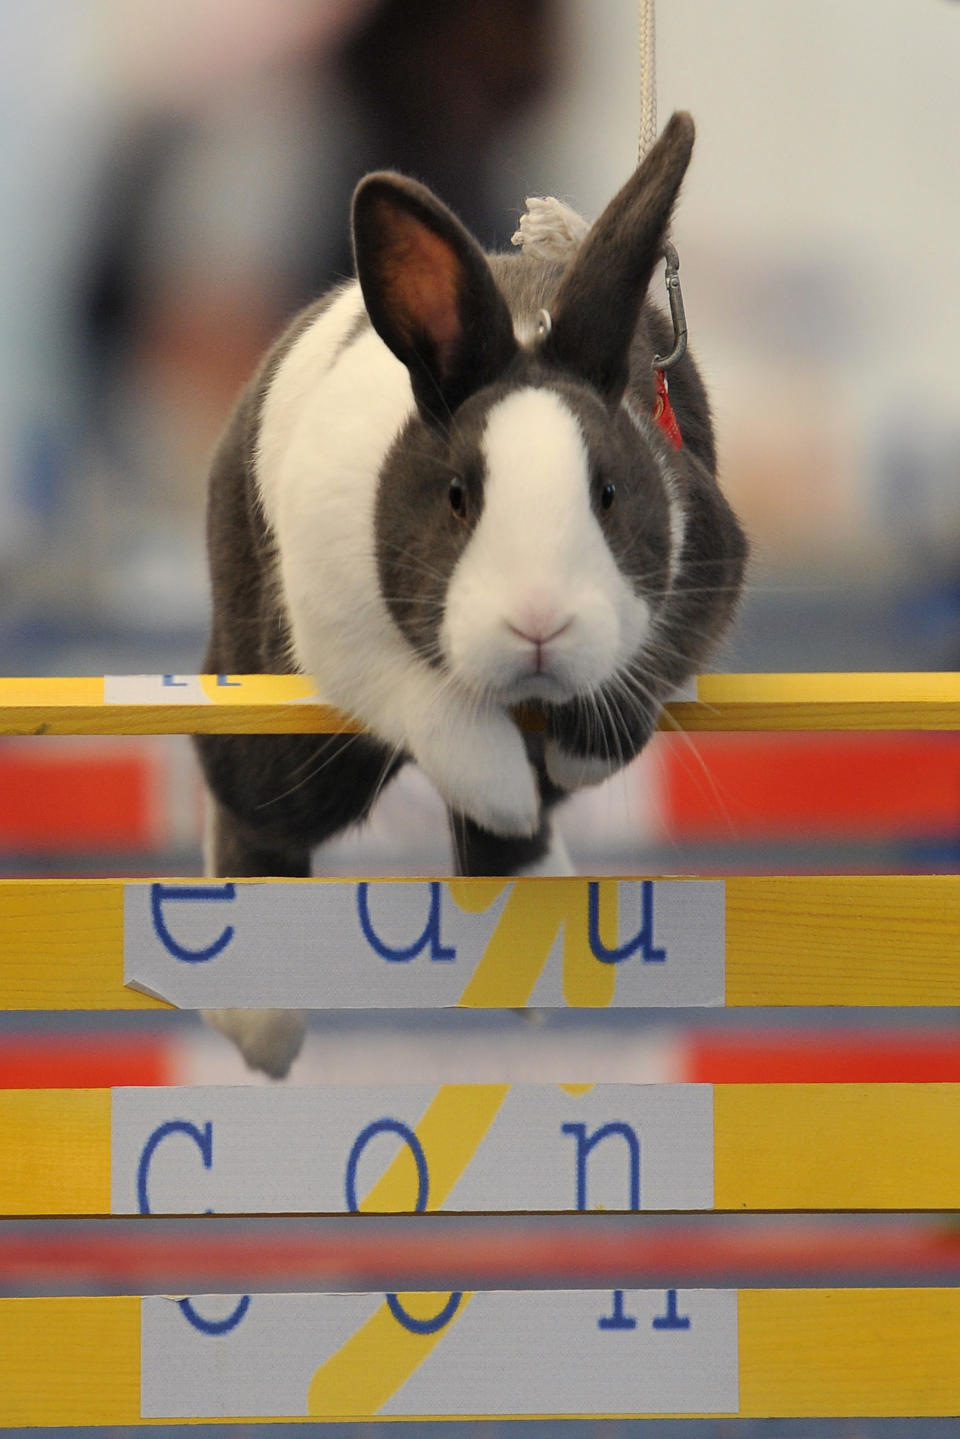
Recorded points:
(481, 769)
(268, 1039)
(508, 806)
(575, 771)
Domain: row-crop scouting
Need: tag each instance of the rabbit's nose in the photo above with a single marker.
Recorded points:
(539, 634)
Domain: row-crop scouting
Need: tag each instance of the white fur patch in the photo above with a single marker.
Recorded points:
(268, 1039)
(329, 419)
(537, 607)
(572, 771)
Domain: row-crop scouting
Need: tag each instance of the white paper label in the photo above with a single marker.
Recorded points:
(330, 944)
(500, 1352)
(198, 689)
(474, 1148)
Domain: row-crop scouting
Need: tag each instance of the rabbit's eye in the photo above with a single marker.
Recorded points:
(458, 499)
(607, 496)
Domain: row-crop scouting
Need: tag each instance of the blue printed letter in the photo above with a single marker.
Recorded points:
(203, 1139)
(213, 893)
(617, 1320)
(388, 1126)
(430, 936)
(396, 1126)
(672, 1320)
(642, 940)
(584, 1146)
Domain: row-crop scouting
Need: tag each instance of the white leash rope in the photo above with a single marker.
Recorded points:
(648, 74)
(647, 29)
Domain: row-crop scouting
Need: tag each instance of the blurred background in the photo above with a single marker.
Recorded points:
(175, 182)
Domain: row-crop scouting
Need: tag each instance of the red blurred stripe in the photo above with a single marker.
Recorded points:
(730, 786)
(50, 1061)
(515, 1255)
(868, 786)
(54, 801)
(837, 1057)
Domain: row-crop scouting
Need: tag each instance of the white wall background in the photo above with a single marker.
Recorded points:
(819, 233)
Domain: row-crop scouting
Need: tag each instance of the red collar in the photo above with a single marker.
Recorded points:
(663, 412)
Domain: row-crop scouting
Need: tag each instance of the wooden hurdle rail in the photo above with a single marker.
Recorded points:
(490, 1148)
(290, 704)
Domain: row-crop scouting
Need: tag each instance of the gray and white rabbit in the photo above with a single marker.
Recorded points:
(444, 495)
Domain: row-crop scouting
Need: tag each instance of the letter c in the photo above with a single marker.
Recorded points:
(214, 1326)
(203, 1139)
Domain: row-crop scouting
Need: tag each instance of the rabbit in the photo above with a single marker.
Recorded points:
(445, 495)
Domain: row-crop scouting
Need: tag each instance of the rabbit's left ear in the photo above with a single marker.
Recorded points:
(597, 307)
(429, 292)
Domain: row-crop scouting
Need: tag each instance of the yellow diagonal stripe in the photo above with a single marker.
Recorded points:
(380, 1358)
(376, 1361)
(536, 913)
(55, 1151)
(450, 1131)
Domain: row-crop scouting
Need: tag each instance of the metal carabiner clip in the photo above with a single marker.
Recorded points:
(675, 296)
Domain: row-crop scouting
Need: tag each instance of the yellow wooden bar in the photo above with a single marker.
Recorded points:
(54, 1151)
(844, 940)
(921, 701)
(829, 1353)
(836, 1146)
(849, 1353)
(61, 946)
(816, 1147)
(807, 940)
(69, 1361)
(266, 704)
(281, 704)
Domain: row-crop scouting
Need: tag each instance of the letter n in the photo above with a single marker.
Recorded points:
(585, 1144)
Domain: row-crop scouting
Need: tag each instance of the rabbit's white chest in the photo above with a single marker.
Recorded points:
(334, 407)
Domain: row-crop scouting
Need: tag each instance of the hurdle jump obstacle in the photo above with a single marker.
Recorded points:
(479, 1148)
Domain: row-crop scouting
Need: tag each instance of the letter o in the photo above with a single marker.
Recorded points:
(388, 1126)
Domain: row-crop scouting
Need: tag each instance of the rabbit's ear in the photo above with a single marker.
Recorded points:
(429, 292)
(598, 304)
